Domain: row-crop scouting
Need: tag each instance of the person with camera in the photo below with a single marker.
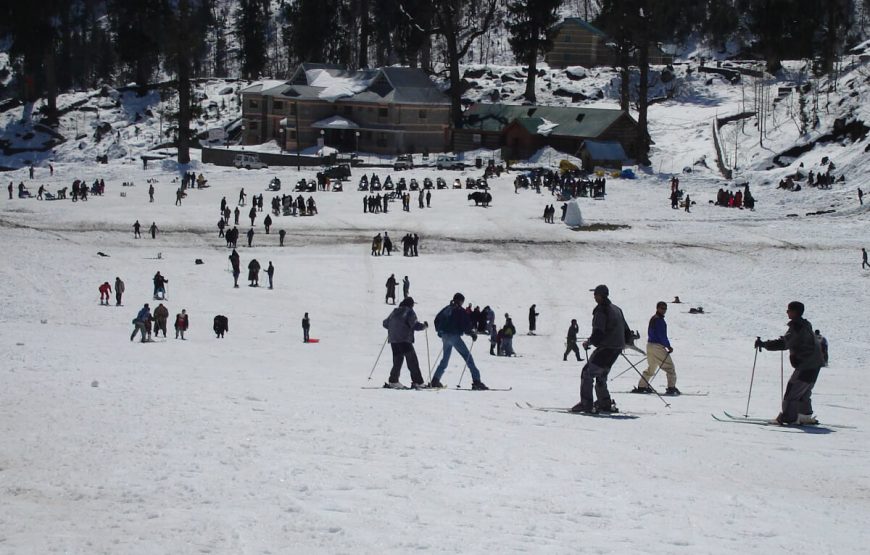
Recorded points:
(805, 356)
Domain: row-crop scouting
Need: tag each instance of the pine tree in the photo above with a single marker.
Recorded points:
(137, 31)
(532, 26)
(252, 21)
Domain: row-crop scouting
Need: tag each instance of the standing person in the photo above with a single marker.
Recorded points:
(270, 271)
(181, 324)
(823, 344)
(267, 223)
(688, 203)
(242, 196)
(450, 324)
(10, 190)
(119, 290)
(805, 356)
(179, 194)
(507, 339)
(414, 242)
(221, 325)
(221, 225)
(306, 325)
(281, 235)
(533, 319)
(658, 353)
(401, 325)
(140, 321)
(253, 214)
(250, 235)
(154, 230)
(236, 214)
(105, 291)
(428, 199)
(254, 273)
(571, 341)
(159, 286)
(136, 227)
(151, 192)
(161, 315)
(388, 244)
(864, 263)
(406, 287)
(860, 196)
(391, 289)
(234, 260)
(609, 331)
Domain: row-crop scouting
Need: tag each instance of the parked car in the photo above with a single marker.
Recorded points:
(341, 171)
(249, 162)
(449, 162)
(404, 162)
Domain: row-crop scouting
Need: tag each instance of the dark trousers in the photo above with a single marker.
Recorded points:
(572, 347)
(405, 352)
(798, 393)
(596, 371)
(305, 335)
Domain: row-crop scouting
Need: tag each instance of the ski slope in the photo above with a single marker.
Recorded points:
(258, 443)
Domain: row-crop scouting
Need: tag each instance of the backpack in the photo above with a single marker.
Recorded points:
(443, 318)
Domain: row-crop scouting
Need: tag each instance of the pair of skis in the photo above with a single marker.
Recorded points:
(771, 422)
(565, 410)
(405, 388)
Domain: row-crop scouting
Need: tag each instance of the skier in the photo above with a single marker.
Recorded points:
(234, 261)
(161, 315)
(159, 286)
(119, 290)
(401, 325)
(571, 341)
(105, 291)
(140, 322)
(609, 332)
(136, 228)
(221, 325)
(406, 287)
(658, 353)
(181, 324)
(391, 289)
(306, 325)
(154, 230)
(533, 318)
(450, 324)
(254, 273)
(270, 271)
(805, 356)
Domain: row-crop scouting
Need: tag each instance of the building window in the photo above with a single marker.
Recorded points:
(277, 105)
(383, 112)
(422, 114)
(253, 103)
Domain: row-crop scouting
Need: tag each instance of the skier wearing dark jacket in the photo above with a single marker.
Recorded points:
(805, 356)
(451, 323)
(401, 325)
(609, 332)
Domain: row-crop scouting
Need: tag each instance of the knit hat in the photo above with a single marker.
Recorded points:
(602, 290)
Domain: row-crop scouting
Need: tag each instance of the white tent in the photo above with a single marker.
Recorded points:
(573, 216)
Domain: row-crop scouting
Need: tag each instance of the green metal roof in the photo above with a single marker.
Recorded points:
(571, 122)
(584, 24)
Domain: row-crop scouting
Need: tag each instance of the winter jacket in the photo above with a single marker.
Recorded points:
(144, 314)
(572, 333)
(181, 322)
(804, 350)
(401, 324)
(119, 286)
(657, 332)
(609, 329)
(105, 288)
(161, 313)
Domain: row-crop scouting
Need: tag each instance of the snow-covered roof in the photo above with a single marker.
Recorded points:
(604, 150)
(335, 122)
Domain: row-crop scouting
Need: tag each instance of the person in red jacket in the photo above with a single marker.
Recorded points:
(181, 323)
(105, 291)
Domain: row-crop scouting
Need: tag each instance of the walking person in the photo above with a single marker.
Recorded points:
(181, 324)
(571, 341)
(391, 289)
(154, 230)
(119, 290)
(136, 228)
(533, 319)
(609, 332)
(864, 263)
(805, 356)
(451, 323)
(306, 326)
(658, 353)
(860, 197)
(401, 325)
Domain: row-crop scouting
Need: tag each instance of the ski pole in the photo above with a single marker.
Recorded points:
(464, 366)
(641, 375)
(621, 373)
(781, 377)
(751, 379)
(379, 357)
(649, 382)
(428, 360)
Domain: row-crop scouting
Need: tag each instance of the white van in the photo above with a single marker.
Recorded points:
(249, 162)
(449, 162)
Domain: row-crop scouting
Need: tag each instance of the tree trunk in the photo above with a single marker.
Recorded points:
(532, 76)
(643, 102)
(624, 82)
(364, 32)
(183, 110)
(50, 85)
(453, 61)
(426, 54)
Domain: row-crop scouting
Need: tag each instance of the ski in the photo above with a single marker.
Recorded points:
(766, 422)
(401, 388)
(567, 410)
(682, 394)
(489, 389)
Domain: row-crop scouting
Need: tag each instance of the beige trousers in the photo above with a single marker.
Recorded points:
(657, 355)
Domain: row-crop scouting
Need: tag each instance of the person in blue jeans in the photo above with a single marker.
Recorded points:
(451, 323)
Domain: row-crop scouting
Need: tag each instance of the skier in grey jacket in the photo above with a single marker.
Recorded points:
(401, 325)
